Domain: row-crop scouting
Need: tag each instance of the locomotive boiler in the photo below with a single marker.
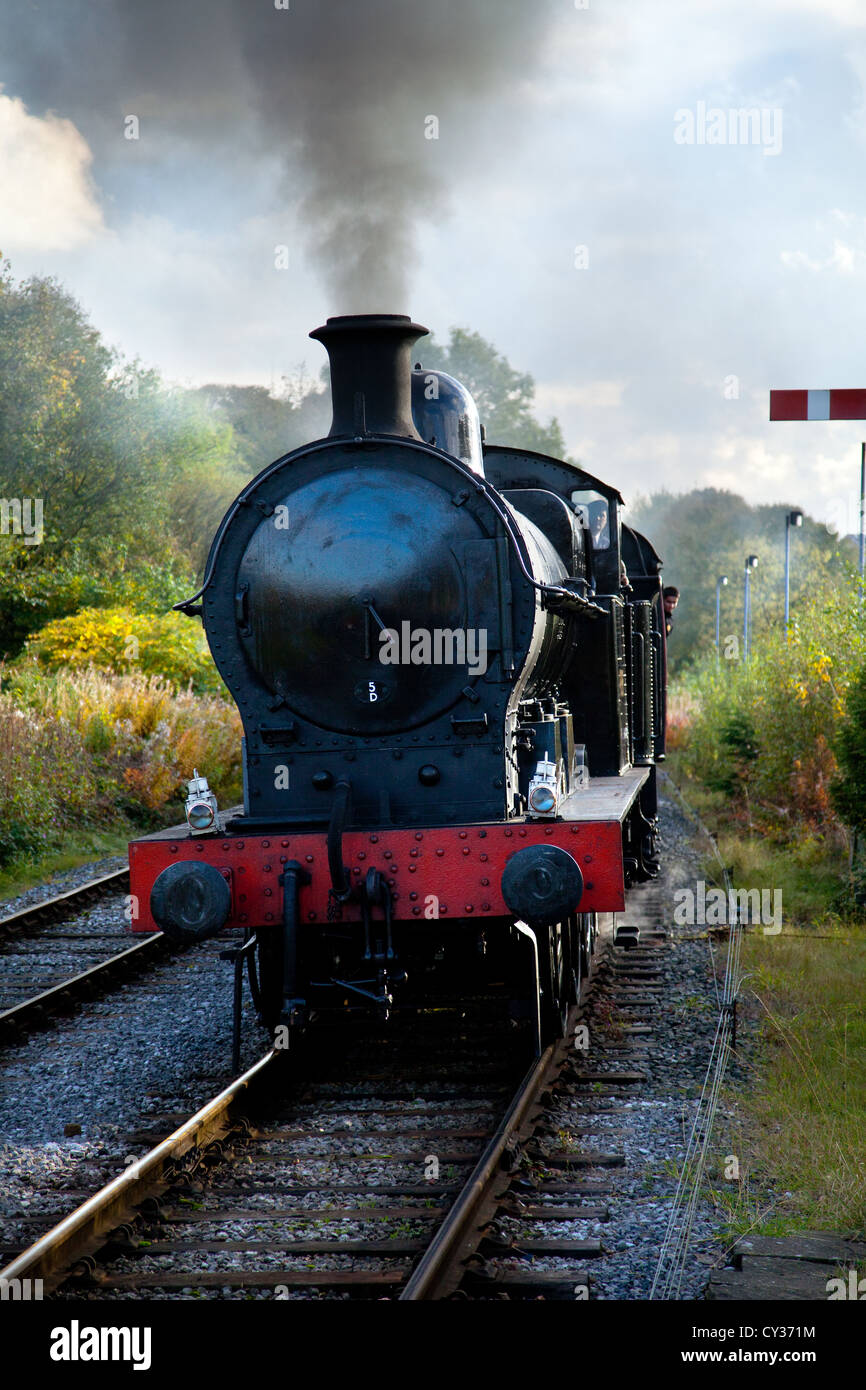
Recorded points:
(448, 657)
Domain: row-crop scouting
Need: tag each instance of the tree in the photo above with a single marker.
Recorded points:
(127, 475)
(706, 533)
(266, 426)
(504, 397)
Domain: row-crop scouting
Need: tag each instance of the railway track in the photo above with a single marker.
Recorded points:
(50, 962)
(435, 1177)
(62, 905)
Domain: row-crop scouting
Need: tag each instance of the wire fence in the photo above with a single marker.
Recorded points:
(667, 1281)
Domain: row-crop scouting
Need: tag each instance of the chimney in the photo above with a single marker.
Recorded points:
(371, 372)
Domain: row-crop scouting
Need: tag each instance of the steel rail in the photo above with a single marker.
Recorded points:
(442, 1266)
(34, 1012)
(63, 903)
(81, 1234)
(84, 1231)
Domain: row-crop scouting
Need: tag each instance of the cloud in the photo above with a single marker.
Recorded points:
(844, 259)
(704, 263)
(552, 396)
(47, 198)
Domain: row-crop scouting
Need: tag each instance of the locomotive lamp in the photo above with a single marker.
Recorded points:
(543, 789)
(202, 812)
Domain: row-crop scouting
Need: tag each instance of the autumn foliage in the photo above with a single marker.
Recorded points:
(88, 747)
(767, 731)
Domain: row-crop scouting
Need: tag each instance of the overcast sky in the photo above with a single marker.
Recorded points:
(584, 206)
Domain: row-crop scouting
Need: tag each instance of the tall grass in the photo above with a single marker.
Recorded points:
(45, 779)
(757, 742)
(87, 746)
(802, 1123)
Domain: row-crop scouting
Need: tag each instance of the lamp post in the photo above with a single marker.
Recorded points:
(751, 563)
(794, 518)
(721, 583)
(862, 508)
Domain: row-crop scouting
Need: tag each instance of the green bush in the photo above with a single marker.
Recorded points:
(738, 749)
(119, 640)
(38, 585)
(848, 789)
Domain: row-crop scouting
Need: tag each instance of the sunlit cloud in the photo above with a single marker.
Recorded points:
(47, 198)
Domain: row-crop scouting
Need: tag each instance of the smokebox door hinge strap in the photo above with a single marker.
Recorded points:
(242, 609)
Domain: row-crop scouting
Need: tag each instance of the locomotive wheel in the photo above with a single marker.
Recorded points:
(556, 981)
(582, 939)
(575, 945)
(589, 931)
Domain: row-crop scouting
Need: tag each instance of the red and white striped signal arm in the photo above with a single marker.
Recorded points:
(818, 405)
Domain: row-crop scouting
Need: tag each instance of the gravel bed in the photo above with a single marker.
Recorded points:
(358, 1146)
(298, 1228)
(412, 1115)
(161, 1043)
(216, 1203)
(251, 1260)
(364, 1168)
(224, 1295)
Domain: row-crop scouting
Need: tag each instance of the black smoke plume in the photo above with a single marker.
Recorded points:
(335, 95)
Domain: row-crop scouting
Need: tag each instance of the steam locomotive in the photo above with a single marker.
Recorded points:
(449, 661)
